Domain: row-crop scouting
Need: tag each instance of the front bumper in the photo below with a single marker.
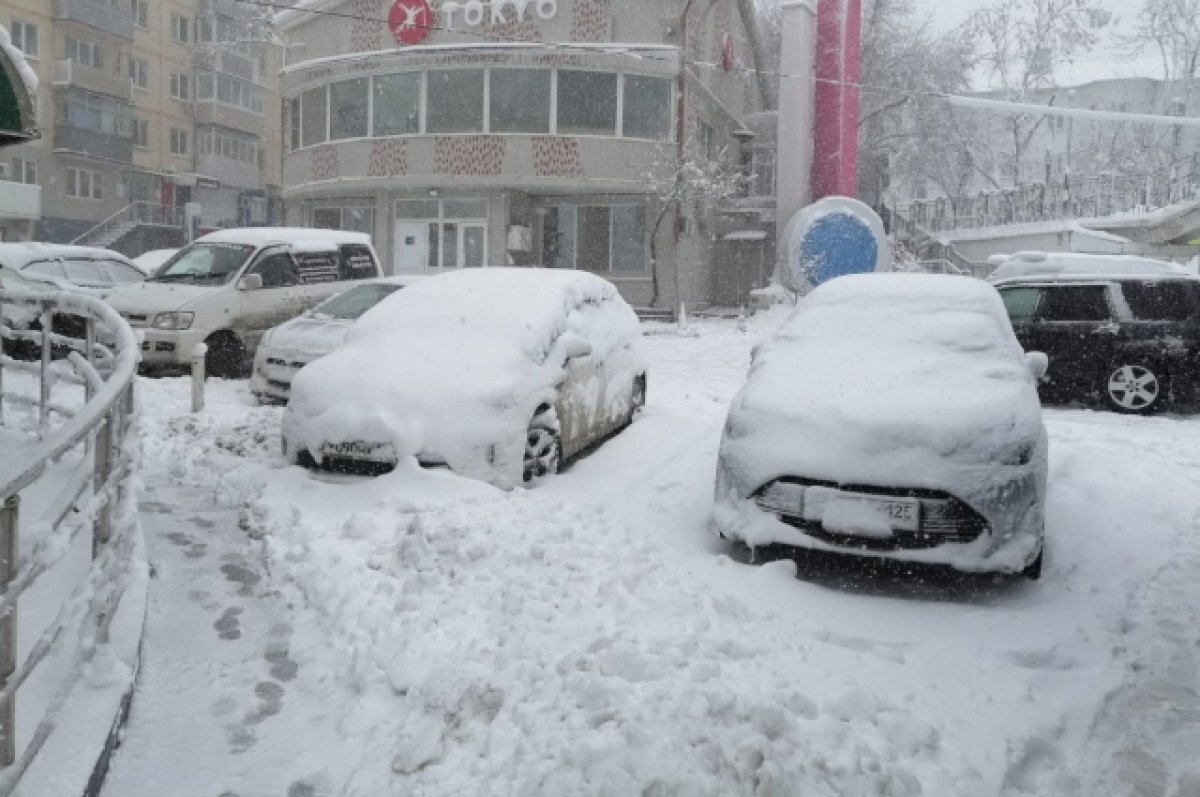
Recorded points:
(273, 372)
(169, 348)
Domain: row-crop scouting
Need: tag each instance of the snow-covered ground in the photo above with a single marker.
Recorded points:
(419, 634)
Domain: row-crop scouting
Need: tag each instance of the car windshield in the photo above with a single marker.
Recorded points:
(208, 263)
(351, 304)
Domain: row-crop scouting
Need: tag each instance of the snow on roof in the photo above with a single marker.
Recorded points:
(1028, 228)
(18, 255)
(298, 237)
(612, 48)
(1051, 264)
(18, 60)
(746, 235)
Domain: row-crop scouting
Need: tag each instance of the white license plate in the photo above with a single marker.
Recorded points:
(873, 513)
(357, 450)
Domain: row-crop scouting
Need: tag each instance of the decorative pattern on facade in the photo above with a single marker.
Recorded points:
(389, 158)
(513, 31)
(366, 33)
(556, 157)
(325, 162)
(469, 156)
(593, 21)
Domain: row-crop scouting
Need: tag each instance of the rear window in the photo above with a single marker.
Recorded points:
(357, 263)
(1161, 301)
(1074, 303)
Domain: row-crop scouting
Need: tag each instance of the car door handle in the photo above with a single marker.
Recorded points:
(1106, 329)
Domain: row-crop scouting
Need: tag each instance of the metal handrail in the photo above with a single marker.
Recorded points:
(102, 427)
(140, 212)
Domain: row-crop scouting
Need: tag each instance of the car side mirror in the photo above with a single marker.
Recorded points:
(251, 282)
(1037, 363)
(574, 346)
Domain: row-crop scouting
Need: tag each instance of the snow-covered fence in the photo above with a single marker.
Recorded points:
(76, 458)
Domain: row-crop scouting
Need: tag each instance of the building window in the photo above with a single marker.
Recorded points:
(181, 86)
(455, 101)
(520, 101)
(139, 72)
(141, 133)
(25, 38)
(181, 28)
(85, 184)
(587, 103)
(348, 109)
(350, 219)
(92, 112)
(24, 171)
(397, 104)
(293, 127)
(141, 14)
(85, 53)
(230, 91)
(604, 238)
(179, 142)
(646, 112)
(241, 149)
(314, 113)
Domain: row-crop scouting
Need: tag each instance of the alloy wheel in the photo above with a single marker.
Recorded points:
(1133, 388)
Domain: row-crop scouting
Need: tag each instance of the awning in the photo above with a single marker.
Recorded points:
(18, 105)
(745, 235)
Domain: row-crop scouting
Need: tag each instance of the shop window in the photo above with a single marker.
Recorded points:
(361, 219)
(455, 99)
(348, 109)
(397, 104)
(600, 238)
(629, 238)
(647, 108)
(314, 116)
(587, 103)
(520, 101)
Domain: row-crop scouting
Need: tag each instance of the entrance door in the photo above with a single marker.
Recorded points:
(411, 252)
(474, 245)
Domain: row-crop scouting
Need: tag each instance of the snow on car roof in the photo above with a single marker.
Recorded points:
(19, 255)
(306, 238)
(1052, 264)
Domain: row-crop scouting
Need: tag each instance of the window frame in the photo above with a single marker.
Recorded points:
(95, 183)
(24, 29)
(576, 213)
(141, 14)
(139, 73)
(181, 28)
(180, 86)
(178, 142)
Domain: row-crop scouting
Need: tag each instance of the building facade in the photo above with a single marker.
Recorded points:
(548, 132)
(146, 106)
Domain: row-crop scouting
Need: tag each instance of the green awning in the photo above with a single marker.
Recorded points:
(18, 115)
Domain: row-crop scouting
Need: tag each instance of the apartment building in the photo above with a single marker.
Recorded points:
(145, 107)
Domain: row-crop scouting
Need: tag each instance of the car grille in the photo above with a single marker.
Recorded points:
(944, 518)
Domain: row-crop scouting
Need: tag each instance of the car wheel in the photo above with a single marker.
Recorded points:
(1135, 387)
(225, 356)
(639, 392)
(1033, 570)
(543, 446)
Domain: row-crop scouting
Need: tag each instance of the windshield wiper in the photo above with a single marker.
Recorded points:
(170, 277)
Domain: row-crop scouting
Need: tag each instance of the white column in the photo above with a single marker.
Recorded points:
(796, 89)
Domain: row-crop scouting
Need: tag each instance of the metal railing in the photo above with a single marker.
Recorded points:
(127, 218)
(100, 433)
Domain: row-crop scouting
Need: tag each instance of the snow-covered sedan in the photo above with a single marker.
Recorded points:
(287, 348)
(892, 416)
(501, 374)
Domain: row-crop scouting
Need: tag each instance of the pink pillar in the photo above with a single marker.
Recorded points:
(835, 129)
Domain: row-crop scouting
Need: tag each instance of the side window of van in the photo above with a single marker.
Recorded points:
(317, 267)
(357, 263)
(277, 270)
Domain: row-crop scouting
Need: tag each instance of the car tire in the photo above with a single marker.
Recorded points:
(225, 356)
(637, 398)
(543, 446)
(1135, 387)
(1033, 570)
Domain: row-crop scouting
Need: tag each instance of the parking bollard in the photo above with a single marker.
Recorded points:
(199, 351)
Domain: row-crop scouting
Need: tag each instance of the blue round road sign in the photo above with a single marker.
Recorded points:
(831, 238)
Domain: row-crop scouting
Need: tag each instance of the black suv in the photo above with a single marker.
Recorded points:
(1132, 341)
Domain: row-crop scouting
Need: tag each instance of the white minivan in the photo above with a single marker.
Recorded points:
(229, 287)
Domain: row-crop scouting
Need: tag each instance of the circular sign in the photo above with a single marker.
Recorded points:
(830, 238)
(410, 21)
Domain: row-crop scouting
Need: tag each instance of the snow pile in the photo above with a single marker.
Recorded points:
(1043, 264)
(507, 644)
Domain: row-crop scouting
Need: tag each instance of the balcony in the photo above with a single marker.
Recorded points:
(92, 143)
(100, 16)
(88, 78)
(211, 112)
(20, 201)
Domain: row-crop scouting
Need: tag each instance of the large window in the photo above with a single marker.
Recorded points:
(604, 238)
(520, 101)
(359, 219)
(397, 104)
(348, 109)
(455, 98)
(647, 109)
(85, 184)
(98, 113)
(1074, 303)
(314, 116)
(587, 103)
(25, 38)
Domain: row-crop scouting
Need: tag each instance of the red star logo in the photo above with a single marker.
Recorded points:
(411, 21)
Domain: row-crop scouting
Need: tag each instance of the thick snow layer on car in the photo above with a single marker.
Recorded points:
(306, 238)
(892, 380)
(454, 367)
(1044, 264)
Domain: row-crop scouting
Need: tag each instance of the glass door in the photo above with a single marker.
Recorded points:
(474, 245)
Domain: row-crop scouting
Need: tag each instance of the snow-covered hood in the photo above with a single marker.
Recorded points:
(308, 337)
(158, 297)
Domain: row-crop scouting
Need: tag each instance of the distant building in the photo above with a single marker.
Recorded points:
(144, 107)
(21, 205)
(469, 134)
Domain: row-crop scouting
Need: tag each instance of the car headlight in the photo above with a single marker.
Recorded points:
(173, 321)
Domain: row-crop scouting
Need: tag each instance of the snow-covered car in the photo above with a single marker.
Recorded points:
(501, 374)
(152, 261)
(227, 288)
(287, 348)
(1053, 264)
(892, 416)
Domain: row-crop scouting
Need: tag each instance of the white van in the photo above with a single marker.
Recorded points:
(229, 287)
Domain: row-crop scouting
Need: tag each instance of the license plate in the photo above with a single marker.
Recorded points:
(873, 513)
(357, 450)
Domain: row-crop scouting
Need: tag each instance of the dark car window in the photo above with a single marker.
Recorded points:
(357, 263)
(1074, 303)
(277, 270)
(1021, 303)
(1161, 301)
(351, 304)
(317, 267)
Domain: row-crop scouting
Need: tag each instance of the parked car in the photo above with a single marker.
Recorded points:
(293, 344)
(1050, 264)
(227, 288)
(894, 416)
(1133, 341)
(501, 374)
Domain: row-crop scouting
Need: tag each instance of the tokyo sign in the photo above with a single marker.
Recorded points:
(411, 21)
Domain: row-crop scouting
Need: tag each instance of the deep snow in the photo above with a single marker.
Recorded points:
(590, 637)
